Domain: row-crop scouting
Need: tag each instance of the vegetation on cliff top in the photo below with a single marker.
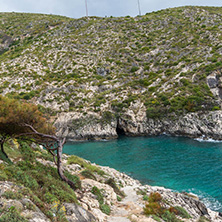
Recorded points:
(98, 64)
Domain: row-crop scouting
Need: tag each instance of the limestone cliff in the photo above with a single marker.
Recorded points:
(75, 126)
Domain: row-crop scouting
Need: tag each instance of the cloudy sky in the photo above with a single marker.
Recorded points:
(76, 8)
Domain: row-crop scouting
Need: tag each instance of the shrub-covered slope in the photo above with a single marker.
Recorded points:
(162, 59)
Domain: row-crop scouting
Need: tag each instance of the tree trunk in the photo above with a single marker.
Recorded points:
(59, 166)
(3, 151)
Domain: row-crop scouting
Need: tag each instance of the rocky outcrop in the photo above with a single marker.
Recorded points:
(133, 122)
(75, 213)
(198, 124)
(25, 206)
(214, 82)
(76, 126)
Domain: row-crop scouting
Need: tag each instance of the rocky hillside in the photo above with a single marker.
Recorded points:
(103, 71)
(31, 190)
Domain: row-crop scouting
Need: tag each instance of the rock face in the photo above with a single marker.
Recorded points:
(75, 126)
(214, 82)
(76, 213)
(197, 124)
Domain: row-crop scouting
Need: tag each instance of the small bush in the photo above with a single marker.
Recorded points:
(12, 195)
(203, 219)
(88, 174)
(169, 217)
(3, 176)
(75, 179)
(49, 198)
(155, 197)
(153, 208)
(119, 198)
(113, 184)
(105, 209)
(145, 197)
(77, 160)
(216, 108)
(96, 191)
(181, 212)
(134, 69)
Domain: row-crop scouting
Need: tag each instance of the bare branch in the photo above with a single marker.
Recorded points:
(42, 134)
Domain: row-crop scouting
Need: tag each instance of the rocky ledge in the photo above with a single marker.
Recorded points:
(134, 122)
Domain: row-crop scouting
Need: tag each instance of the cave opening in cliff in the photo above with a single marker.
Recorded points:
(119, 130)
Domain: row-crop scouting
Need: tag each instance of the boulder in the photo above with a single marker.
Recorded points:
(76, 213)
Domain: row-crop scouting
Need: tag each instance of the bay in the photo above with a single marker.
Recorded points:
(178, 163)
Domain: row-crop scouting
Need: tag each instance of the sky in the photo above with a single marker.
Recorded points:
(76, 8)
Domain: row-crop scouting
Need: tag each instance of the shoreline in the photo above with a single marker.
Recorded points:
(199, 139)
(137, 185)
(194, 195)
(204, 197)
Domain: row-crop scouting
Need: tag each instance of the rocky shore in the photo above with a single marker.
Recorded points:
(127, 208)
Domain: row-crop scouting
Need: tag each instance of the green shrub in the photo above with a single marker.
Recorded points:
(181, 212)
(105, 209)
(119, 198)
(215, 108)
(154, 112)
(113, 184)
(3, 176)
(108, 116)
(12, 195)
(185, 82)
(170, 217)
(153, 208)
(134, 69)
(77, 160)
(12, 215)
(75, 179)
(203, 219)
(96, 191)
(145, 197)
(88, 174)
(49, 198)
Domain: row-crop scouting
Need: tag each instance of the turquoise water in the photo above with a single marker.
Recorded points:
(177, 163)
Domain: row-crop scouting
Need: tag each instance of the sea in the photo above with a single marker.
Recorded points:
(178, 163)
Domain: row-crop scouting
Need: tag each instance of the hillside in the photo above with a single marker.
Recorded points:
(166, 62)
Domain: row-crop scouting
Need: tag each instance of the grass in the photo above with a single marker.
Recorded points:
(11, 215)
(77, 160)
(41, 184)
